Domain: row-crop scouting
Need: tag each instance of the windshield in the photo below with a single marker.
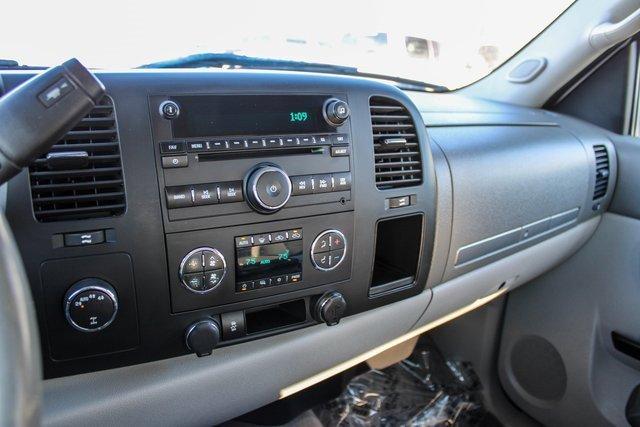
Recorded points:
(449, 43)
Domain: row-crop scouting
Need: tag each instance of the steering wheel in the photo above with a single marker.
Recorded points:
(20, 370)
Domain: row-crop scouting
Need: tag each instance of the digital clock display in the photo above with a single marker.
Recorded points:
(298, 116)
(225, 115)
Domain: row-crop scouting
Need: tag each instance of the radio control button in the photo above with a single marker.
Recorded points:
(236, 144)
(302, 185)
(169, 110)
(323, 184)
(178, 197)
(322, 139)
(194, 282)
(323, 244)
(217, 145)
(171, 147)
(340, 151)
(169, 162)
(273, 142)
(295, 234)
(255, 143)
(243, 241)
(262, 239)
(338, 139)
(290, 141)
(336, 241)
(307, 140)
(212, 279)
(322, 260)
(230, 192)
(205, 194)
(280, 236)
(341, 181)
(195, 146)
(193, 263)
(212, 260)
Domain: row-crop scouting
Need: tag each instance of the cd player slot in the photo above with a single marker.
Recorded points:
(205, 157)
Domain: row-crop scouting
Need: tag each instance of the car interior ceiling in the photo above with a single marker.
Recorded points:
(225, 240)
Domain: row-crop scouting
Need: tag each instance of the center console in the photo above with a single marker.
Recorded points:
(250, 204)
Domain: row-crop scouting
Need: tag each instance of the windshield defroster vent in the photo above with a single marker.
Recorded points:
(602, 171)
(81, 176)
(395, 142)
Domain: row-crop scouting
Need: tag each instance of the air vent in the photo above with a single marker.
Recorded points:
(81, 177)
(602, 171)
(397, 151)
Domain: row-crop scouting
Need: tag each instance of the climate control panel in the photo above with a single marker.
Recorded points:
(202, 270)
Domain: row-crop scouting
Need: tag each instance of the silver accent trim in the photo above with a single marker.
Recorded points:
(70, 298)
(318, 237)
(202, 249)
(253, 180)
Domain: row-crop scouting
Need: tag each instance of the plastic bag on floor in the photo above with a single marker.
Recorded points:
(423, 390)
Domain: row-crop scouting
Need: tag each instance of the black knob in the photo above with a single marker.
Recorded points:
(336, 111)
(90, 305)
(268, 188)
(202, 337)
(169, 110)
(330, 308)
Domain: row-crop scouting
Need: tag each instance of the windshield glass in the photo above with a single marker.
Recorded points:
(449, 43)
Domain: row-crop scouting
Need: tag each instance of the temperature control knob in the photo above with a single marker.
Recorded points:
(202, 337)
(330, 308)
(268, 188)
(336, 111)
(90, 305)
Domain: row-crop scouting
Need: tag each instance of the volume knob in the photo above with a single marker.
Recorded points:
(268, 188)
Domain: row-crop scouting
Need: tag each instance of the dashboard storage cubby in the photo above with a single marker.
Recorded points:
(397, 253)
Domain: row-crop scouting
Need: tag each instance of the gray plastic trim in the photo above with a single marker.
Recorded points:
(191, 391)
(509, 272)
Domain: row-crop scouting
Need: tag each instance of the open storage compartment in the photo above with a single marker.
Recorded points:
(276, 316)
(396, 254)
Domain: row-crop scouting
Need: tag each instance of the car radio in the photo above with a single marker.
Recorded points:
(223, 155)
(241, 178)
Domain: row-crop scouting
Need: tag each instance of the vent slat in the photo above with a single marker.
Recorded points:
(92, 189)
(398, 164)
(602, 171)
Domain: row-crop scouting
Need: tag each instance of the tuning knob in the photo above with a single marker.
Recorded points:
(268, 188)
(202, 337)
(336, 111)
(330, 308)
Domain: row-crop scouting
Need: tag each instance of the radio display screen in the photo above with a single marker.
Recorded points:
(225, 115)
(275, 259)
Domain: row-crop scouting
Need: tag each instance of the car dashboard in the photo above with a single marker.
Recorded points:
(251, 208)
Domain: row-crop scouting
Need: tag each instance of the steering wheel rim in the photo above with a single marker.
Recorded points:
(20, 364)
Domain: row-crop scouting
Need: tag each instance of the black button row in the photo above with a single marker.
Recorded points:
(200, 282)
(204, 194)
(268, 282)
(259, 142)
(266, 238)
(323, 183)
